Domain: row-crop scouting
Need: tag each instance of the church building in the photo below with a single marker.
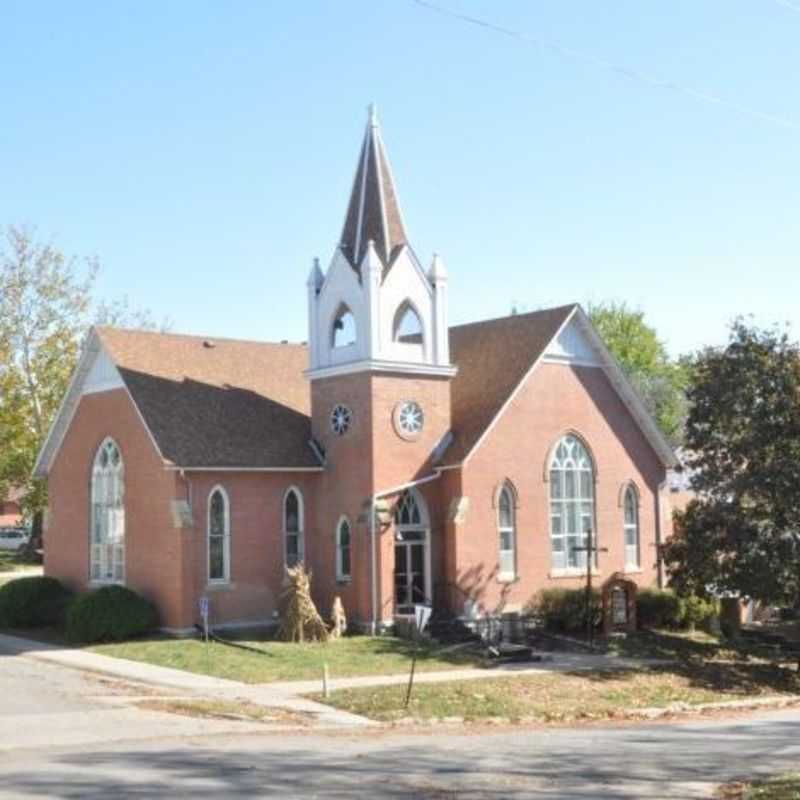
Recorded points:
(401, 459)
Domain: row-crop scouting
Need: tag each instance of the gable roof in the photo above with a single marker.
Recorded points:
(373, 213)
(232, 404)
(493, 358)
(217, 402)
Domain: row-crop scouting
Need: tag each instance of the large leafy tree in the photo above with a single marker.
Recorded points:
(45, 302)
(642, 355)
(45, 309)
(742, 533)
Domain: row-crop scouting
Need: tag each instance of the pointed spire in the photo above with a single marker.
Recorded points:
(315, 277)
(374, 211)
(437, 272)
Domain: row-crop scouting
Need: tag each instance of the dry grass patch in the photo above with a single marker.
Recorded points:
(784, 787)
(225, 709)
(566, 697)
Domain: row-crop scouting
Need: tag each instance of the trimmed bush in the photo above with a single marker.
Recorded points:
(657, 608)
(697, 611)
(110, 614)
(33, 602)
(565, 609)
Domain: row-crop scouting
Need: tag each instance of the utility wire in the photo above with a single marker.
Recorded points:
(626, 72)
(789, 4)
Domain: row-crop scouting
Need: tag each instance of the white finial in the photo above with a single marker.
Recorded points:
(372, 111)
(437, 272)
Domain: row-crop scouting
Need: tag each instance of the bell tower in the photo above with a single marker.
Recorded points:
(380, 372)
(376, 308)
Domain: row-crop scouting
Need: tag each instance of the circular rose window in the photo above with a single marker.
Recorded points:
(409, 419)
(340, 420)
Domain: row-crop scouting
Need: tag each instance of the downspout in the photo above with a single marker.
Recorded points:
(374, 558)
(659, 562)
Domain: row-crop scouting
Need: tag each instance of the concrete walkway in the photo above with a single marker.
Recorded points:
(288, 694)
(188, 682)
(560, 662)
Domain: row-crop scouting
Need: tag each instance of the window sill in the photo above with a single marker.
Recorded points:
(633, 571)
(220, 586)
(509, 578)
(342, 581)
(98, 582)
(571, 572)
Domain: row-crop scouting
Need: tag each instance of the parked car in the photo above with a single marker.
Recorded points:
(13, 538)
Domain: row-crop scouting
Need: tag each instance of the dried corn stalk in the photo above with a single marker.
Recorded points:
(300, 620)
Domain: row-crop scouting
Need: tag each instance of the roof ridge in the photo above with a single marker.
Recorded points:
(527, 314)
(199, 337)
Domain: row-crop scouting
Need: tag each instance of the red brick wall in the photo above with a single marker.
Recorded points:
(154, 556)
(555, 400)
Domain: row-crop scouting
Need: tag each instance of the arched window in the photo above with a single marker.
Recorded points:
(107, 552)
(219, 536)
(343, 550)
(293, 527)
(407, 326)
(344, 328)
(407, 513)
(571, 503)
(631, 528)
(506, 528)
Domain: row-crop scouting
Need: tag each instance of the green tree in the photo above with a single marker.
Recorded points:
(45, 310)
(742, 533)
(642, 355)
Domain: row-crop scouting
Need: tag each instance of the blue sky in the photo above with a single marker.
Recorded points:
(205, 151)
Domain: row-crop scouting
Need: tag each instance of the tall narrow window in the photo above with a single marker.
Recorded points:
(571, 503)
(344, 328)
(107, 552)
(631, 525)
(293, 527)
(506, 528)
(219, 537)
(343, 550)
(407, 325)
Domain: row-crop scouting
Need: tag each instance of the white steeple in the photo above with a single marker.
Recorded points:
(376, 309)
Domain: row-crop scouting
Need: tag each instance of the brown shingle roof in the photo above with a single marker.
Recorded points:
(232, 404)
(493, 356)
(247, 404)
(373, 212)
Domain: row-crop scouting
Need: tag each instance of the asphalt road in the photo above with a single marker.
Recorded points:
(110, 751)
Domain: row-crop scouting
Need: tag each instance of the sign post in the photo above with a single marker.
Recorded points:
(203, 603)
(422, 615)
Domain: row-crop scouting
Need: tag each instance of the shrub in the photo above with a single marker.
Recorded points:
(657, 608)
(112, 613)
(33, 602)
(565, 609)
(697, 611)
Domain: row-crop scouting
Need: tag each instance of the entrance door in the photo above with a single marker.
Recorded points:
(410, 576)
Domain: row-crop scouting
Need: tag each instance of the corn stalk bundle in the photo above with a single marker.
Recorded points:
(300, 620)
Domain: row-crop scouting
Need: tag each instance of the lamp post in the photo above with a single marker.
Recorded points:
(590, 549)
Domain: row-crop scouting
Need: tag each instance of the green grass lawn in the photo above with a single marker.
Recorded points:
(11, 567)
(281, 661)
(677, 645)
(565, 697)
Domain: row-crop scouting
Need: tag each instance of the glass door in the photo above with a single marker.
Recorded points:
(409, 572)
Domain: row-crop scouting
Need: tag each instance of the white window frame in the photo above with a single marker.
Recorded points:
(507, 556)
(341, 575)
(631, 527)
(562, 506)
(405, 308)
(107, 545)
(226, 536)
(300, 532)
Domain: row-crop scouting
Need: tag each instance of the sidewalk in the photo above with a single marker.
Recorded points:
(189, 682)
(288, 694)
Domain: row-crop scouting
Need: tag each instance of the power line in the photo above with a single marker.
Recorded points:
(789, 4)
(609, 66)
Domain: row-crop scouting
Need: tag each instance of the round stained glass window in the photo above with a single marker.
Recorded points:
(409, 419)
(340, 420)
